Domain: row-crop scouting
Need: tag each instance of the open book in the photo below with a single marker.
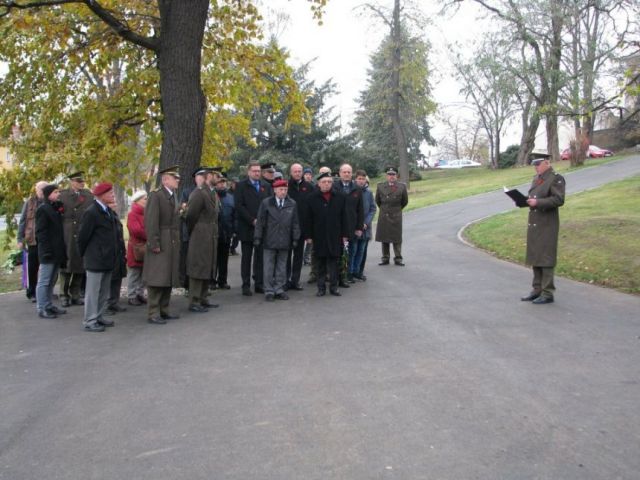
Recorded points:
(517, 196)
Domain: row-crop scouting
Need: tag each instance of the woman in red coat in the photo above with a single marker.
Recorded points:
(137, 235)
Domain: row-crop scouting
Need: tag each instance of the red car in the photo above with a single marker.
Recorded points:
(593, 152)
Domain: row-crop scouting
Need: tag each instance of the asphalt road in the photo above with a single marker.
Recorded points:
(432, 371)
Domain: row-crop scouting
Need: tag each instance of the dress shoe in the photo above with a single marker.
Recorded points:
(47, 314)
(157, 320)
(542, 300)
(135, 301)
(269, 297)
(399, 263)
(94, 327)
(33, 300)
(168, 316)
(335, 292)
(246, 292)
(106, 323)
(282, 296)
(224, 286)
(384, 262)
(56, 310)
(108, 312)
(259, 290)
(350, 278)
(197, 308)
(296, 286)
(206, 304)
(141, 298)
(115, 308)
(532, 296)
(77, 301)
(321, 293)
(343, 284)
(66, 302)
(213, 286)
(359, 276)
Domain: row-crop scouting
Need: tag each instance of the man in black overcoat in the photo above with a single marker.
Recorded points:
(249, 194)
(327, 228)
(299, 191)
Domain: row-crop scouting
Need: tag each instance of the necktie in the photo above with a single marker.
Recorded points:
(256, 185)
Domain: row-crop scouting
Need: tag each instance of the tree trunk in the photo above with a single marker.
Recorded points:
(555, 56)
(528, 139)
(183, 102)
(401, 141)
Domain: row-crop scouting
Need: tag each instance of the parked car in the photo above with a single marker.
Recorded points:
(459, 163)
(593, 152)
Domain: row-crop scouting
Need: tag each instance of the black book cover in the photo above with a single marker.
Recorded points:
(517, 196)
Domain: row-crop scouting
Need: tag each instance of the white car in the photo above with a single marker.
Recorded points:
(459, 163)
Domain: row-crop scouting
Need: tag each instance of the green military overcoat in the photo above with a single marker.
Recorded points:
(544, 219)
(202, 223)
(162, 226)
(74, 205)
(391, 199)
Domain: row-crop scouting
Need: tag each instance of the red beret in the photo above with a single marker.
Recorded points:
(102, 188)
(279, 183)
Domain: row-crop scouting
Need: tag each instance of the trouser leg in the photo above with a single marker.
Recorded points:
(547, 286)
(364, 257)
(222, 263)
(280, 271)
(321, 272)
(268, 270)
(332, 267)
(182, 269)
(294, 265)
(114, 290)
(197, 290)
(97, 291)
(245, 264)
(397, 251)
(307, 252)
(165, 298)
(536, 284)
(258, 264)
(45, 278)
(385, 252)
(32, 270)
(75, 287)
(313, 273)
(135, 285)
(154, 296)
(65, 282)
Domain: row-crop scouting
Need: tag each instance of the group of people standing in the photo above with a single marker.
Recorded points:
(76, 232)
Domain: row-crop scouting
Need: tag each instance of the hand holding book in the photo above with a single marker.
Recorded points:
(517, 196)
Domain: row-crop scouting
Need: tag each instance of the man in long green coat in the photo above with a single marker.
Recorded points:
(546, 195)
(162, 259)
(75, 200)
(202, 224)
(391, 198)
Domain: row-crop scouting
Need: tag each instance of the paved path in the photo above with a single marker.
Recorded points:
(432, 371)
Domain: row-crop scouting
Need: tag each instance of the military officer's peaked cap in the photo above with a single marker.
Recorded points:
(537, 157)
(77, 176)
(391, 170)
(200, 171)
(172, 170)
(323, 175)
(268, 166)
(217, 169)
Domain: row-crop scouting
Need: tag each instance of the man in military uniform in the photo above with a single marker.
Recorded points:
(268, 171)
(546, 195)
(391, 198)
(162, 258)
(75, 200)
(202, 224)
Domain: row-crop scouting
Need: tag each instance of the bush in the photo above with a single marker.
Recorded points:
(509, 157)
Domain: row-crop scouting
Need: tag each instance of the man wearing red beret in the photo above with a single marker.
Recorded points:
(97, 244)
(278, 230)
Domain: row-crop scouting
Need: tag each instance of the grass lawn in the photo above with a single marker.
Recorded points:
(439, 186)
(599, 232)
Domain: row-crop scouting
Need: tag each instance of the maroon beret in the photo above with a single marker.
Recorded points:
(102, 188)
(279, 183)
